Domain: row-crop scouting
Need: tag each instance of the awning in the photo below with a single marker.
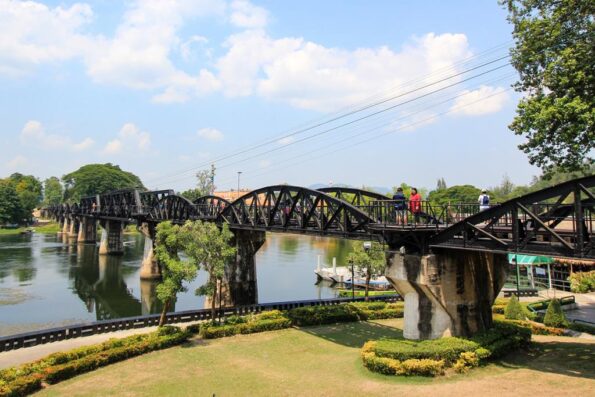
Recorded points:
(522, 259)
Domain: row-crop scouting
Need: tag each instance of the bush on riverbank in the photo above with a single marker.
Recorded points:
(433, 357)
(346, 293)
(318, 315)
(302, 316)
(233, 325)
(27, 378)
(582, 282)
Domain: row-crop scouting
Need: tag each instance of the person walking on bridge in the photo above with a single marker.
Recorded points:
(484, 200)
(415, 204)
(400, 206)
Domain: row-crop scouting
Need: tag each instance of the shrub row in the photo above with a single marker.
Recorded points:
(302, 316)
(318, 315)
(432, 357)
(211, 332)
(27, 378)
(68, 370)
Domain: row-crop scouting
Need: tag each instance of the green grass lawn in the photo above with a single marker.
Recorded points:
(325, 361)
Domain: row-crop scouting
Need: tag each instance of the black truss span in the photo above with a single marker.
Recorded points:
(209, 207)
(559, 220)
(296, 209)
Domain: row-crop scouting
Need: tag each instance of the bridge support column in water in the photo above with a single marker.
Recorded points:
(74, 229)
(111, 238)
(449, 293)
(150, 269)
(66, 225)
(239, 285)
(87, 230)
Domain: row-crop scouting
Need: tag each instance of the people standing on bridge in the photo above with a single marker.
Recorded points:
(415, 204)
(484, 200)
(399, 202)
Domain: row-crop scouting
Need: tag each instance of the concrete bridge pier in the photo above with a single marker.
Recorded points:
(66, 225)
(448, 293)
(61, 223)
(150, 269)
(87, 231)
(74, 229)
(111, 238)
(239, 286)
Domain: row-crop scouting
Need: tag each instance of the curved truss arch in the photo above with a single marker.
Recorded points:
(353, 196)
(294, 208)
(210, 206)
(172, 208)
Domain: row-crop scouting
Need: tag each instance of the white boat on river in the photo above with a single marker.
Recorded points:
(335, 274)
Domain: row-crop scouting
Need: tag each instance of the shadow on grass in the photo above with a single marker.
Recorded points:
(353, 334)
(559, 357)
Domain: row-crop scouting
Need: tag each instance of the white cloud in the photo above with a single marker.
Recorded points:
(484, 100)
(310, 76)
(17, 162)
(246, 15)
(210, 134)
(138, 56)
(186, 47)
(33, 33)
(130, 138)
(34, 134)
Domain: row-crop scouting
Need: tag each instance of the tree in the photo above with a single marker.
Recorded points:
(503, 191)
(169, 241)
(92, 179)
(554, 54)
(514, 310)
(29, 190)
(370, 262)
(11, 210)
(210, 246)
(441, 184)
(455, 194)
(205, 184)
(52, 191)
(554, 315)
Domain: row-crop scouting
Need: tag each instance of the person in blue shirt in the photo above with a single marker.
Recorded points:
(400, 206)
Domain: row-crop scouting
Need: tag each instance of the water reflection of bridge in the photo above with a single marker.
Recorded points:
(98, 280)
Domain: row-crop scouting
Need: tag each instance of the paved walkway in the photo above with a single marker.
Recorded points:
(28, 354)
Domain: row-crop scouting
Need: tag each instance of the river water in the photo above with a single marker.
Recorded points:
(46, 282)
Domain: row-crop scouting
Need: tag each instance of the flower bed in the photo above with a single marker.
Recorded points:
(434, 357)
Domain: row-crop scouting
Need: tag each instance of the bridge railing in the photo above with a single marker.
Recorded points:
(423, 213)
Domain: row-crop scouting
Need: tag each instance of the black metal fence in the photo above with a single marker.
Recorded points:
(28, 339)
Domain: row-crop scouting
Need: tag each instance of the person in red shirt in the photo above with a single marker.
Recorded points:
(415, 204)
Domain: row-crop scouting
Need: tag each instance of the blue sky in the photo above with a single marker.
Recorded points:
(274, 89)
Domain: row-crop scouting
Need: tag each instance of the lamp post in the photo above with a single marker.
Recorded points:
(367, 246)
(239, 173)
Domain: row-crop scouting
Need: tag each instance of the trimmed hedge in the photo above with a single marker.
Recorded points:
(265, 321)
(514, 310)
(582, 328)
(27, 378)
(554, 316)
(432, 357)
(357, 311)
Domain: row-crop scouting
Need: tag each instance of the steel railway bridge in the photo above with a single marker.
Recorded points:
(448, 257)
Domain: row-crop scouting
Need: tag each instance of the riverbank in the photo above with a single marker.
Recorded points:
(47, 228)
(325, 360)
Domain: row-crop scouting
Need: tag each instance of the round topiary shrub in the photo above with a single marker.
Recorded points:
(554, 316)
(514, 310)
